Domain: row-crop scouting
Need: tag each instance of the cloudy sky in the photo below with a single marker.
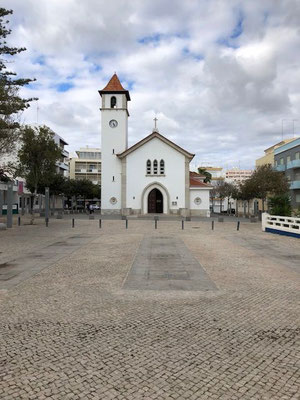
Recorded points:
(222, 76)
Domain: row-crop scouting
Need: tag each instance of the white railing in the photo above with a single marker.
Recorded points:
(290, 225)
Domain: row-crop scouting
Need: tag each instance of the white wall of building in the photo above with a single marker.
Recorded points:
(203, 194)
(137, 179)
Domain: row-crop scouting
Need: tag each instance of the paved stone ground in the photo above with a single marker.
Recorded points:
(71, 330)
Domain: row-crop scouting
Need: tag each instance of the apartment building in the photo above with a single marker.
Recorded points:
(236, 175)
(217, 174)
(268, 157)
(287, 159)
(87, 165)
(62, 166)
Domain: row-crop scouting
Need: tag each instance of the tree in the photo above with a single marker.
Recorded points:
(207, 175)
(223, 190)
(3, 176)
(247, 192)
(82, 188)
(37, 159)
(268, 182)
(11, 104)
(213, 193)
(280, 205)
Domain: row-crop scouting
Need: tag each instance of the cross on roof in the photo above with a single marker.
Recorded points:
(155, 124)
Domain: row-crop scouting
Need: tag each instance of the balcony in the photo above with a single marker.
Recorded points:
(65, 153)
(63, 165)
(293, 164)
(295, 184)
(280, 167)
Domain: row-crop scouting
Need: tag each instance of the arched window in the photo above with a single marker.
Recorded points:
(113, 102)
(162, 167)
(155, 166)
(148, 167)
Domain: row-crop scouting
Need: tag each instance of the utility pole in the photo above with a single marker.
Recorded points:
(294, 127)
(284, 119)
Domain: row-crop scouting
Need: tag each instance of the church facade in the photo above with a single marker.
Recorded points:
(150, 177)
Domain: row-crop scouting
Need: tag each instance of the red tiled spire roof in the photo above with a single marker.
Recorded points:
(114, 86)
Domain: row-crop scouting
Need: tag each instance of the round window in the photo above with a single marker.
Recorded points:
(197, 201)
(113, 200)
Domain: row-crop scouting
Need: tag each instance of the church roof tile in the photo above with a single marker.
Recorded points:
(196, 183)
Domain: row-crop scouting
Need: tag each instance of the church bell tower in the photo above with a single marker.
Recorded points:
(114, 140)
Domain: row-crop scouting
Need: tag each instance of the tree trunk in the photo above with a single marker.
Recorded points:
(263, 205)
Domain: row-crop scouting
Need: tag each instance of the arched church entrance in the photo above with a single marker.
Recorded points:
(155, 201)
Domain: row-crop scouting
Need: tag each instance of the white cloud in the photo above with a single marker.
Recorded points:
(220, 75)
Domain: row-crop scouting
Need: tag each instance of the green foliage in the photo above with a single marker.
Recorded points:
(3, 176)
(246, 190)
(280, 205)
(202, 171)
(224, 189)
(37, 157)
(268, 181)
(83, 188)
(11, 104)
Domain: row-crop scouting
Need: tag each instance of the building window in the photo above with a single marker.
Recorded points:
(297, 156)
(281, 161)
(113, 102)
(276, 163)
(148, 167)
(288, 159)
(113, 179)
(113, 151)
(162, 167)
(155, 167)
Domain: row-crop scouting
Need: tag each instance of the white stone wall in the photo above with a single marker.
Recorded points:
(173, 180)
(203, 207)
(113, 141)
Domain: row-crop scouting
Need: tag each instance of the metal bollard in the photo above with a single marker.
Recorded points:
(100, 223)
(212, 225)
(182, 224)
(126, 223)
(47, 222)
(19, 221)
(238, 226)
(156, 224)
(73, 222)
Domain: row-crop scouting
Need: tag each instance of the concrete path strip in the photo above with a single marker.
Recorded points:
(165, 263)
(19, 269)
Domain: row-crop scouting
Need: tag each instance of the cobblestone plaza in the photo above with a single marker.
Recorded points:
(144, 313)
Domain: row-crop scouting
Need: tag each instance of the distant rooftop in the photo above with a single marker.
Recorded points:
(287, 146)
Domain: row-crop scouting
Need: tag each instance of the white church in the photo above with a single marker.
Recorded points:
(151, 177)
